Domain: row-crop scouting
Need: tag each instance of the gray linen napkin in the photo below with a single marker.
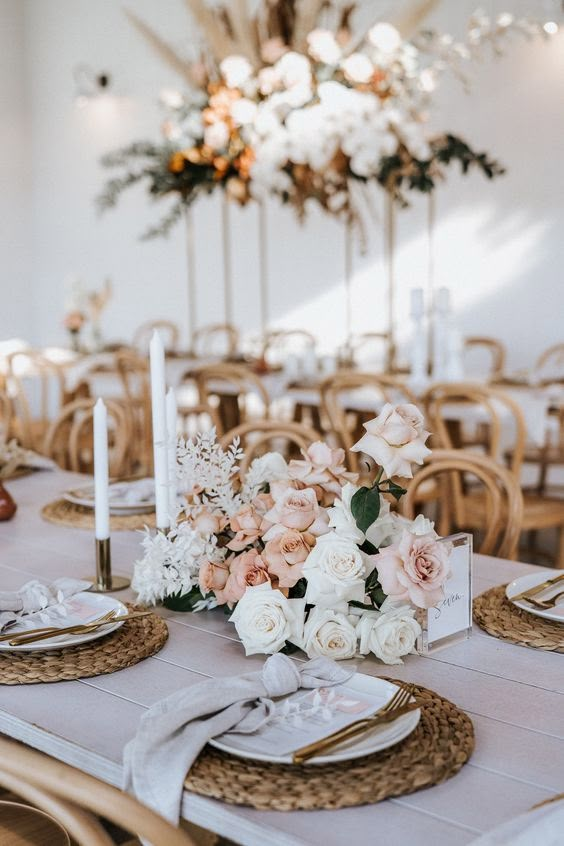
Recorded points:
(35, 596)
(172, 732)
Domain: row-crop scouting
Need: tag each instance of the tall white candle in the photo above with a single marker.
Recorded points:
(101, 473)
(442, 301)
(160, 453)
(417, 302)
(171, 412)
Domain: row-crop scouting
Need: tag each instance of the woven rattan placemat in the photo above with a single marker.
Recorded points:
(64, 513)
(131, 643)
(497, 616)
(437, 749)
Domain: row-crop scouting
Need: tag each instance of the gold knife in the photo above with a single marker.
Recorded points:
(348, 732)
(538, 589)
(20, 640)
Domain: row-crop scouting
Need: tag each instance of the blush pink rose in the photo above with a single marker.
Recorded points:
(213, 576)
(416, 569)
(395, 439)
(285, 555)
(246, 570)
(246, 525)
(297, 510)
(322, 466)
(208, 523)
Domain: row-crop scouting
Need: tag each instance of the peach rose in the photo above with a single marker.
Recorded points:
(285, 555)
(395, 439)
(297, 510)
(247, 569)
(213, 576)
(416, 569)
(208, 523)
(246, 525)
(322, 466)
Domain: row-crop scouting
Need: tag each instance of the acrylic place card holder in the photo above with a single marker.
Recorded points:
(450, 621)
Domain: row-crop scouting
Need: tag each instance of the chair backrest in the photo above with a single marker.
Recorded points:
(498, 417)
(217, 339)
(133, 371)
(75, 799)
(69, 439)
(260, 436)
(280, 342)
(502, 490)
(370, 348)
(495, 351)
(233, 383)
(168, 331)
(349, 397)
(36, 386)
(5, 414)
(550, 365)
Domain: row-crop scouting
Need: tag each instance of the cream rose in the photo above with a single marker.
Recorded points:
(213, 576)
(416, 569)
(265, 620)
(299, 510)
(329, 633)
(341, 518)
(247, 569)
(324, 467)
(335, 570)
(395, 439)
(390, 634)
(246, 525)
(285, 555)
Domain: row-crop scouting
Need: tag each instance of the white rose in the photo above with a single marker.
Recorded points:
(265, 619)
(341, 518)
(236, 70)
(329, 633)
(216, 135)
(390, 634)
(323, 47)
(395, 439)
(335, 571)
(384, 527)
(270, 467)
(357, 67)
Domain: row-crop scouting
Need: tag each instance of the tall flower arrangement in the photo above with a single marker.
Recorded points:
(294, 102)
(298, 553)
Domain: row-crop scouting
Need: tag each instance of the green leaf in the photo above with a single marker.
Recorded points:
(396, 490)
(183, 601)
(289, 648)
(364, 605)
(365, 507)
(368, 548)
(299, 589)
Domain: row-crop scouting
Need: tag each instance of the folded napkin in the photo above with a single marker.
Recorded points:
(132, 493)
(173, 732)
(35, 596)
(544, 825)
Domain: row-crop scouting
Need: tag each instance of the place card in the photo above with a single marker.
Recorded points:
(450, 621)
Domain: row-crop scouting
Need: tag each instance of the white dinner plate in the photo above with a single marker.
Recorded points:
(117, 490)
(381, 737)
(532, 580)
(81, 608)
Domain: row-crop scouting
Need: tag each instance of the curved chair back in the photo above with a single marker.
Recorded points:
(280, 342)
(370, 349)
(217, 339)
(494, 349)
(502, 490)
(260, 436)
(550, 365)
(37, 387)
(229, 387)
(168, 331)
(75, 799)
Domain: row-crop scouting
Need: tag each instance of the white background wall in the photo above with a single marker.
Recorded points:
(497, 245)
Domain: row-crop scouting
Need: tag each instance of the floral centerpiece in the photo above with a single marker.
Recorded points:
(297, 552)
(299, 102)
(73, 322)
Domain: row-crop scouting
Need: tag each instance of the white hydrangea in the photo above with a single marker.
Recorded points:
(323, 46)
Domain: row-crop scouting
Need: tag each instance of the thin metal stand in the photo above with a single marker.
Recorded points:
(105, 581)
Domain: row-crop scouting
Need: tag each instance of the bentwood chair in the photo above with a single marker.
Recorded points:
(450, 470)
(370, 350)
(133, 373)
(69, 439)
(76, 801)
(550, 365)
(218, 339)
(279, 343)
(260, 436)
(494, 351)
(36, 387)
(349, 399)
(232, 389)
(168, 331)
(498, 417)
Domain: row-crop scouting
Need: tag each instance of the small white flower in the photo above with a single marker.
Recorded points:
(236, 70)
(329, 633)
(323, 46)
(385, 37)
(357, 67)
(243, 111)
(216, 135)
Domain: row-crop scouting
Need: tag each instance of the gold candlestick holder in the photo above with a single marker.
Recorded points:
(105, 581)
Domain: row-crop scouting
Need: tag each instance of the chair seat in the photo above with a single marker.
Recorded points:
(21, 825)
(538, 513)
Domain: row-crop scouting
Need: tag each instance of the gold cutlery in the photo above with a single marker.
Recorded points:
(398, 705)
(526, 594)
(544, 604)
(11, 635)
(83, 628)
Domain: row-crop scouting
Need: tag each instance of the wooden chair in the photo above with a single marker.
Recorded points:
(69, 439)
(345, 418)
(133, 372)
(499, 412)
(217, 339)
(494, 349)
(370, 348)
(280, 342)
(228, 388)
(5, 414)
(260, 436)
(168, 330)
(36, 387)
(502, 495)
(549, 367)
(76, 800)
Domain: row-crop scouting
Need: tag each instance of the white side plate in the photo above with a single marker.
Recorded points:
(517, 586)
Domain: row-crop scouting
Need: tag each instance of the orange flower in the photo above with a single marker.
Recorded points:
(176, 162)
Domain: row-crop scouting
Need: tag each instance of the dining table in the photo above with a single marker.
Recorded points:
(513, 694)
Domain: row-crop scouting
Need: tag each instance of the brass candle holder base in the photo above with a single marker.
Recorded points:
(105, 581)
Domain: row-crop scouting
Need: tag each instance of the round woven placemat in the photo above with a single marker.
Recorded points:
(64, 513)
(497, 616)
(131, 643)
(437, 749)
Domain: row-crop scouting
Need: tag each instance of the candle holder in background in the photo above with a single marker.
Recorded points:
(105, 581)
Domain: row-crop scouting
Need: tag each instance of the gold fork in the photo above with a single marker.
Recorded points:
(83, 628)
(12, 635)
(544, 604)
(398, 705)
(526, 594)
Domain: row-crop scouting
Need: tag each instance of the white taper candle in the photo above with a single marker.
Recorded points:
(171, 412)
(101, 473)
(158, 406)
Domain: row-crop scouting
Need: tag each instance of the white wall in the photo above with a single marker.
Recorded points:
(15, 167)
(496, 244)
